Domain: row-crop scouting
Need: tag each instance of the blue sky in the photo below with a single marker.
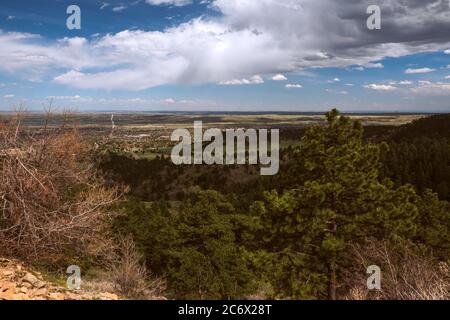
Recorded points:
(226, 55)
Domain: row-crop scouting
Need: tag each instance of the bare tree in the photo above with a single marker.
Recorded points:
(129, 273)
(52, 201)
(407, 273)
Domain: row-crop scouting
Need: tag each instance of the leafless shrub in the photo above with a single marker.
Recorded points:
(52, 203)
(407, 274)
(130, 275)
(67, 116)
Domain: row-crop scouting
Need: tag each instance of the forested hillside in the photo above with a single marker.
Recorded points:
(419, 153)
(342, 201)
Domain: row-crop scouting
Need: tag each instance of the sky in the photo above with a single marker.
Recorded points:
(226, 55)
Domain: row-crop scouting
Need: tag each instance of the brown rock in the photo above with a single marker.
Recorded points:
(108, 296)
(16, 283)
(72, 296)
(21, 296)
(39, 284)
(6, 274)
(31, 279)
(35, 282)
(8, 295)
(40, 292)
(27, 285)
(56, 296)
(8, 286)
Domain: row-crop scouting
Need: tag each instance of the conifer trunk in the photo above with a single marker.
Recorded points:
(332, 268)
(332, 279)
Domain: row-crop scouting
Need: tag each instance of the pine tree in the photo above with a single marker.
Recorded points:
(434, 224)
(339, 201)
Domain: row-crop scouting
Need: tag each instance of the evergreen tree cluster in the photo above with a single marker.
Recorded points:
(289, 236)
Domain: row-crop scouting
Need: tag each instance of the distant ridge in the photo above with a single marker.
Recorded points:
(437, 125)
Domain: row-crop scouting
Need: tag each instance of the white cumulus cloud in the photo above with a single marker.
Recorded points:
(294, 86)
(177, 3)
(380, 87)
(419, 70)
(119, 8)
(429, 88)
(244, 38)
(279, 77)
(237, 82)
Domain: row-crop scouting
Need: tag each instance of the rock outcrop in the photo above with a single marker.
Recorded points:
(17, 283)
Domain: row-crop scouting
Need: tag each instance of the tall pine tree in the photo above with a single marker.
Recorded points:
(339, 200)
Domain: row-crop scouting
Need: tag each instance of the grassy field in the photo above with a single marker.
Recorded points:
(147, 135)
(149, 121)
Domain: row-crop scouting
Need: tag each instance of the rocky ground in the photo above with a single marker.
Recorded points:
(18, 283)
